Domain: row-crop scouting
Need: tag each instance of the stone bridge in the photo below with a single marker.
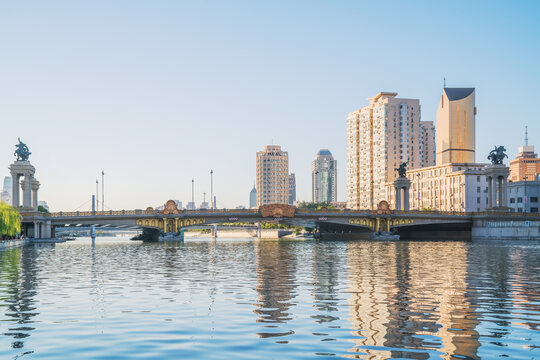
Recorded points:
(172, 220)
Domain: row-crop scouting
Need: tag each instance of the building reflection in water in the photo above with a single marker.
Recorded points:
(326, 263)
(276, 267)
(18, 281)
(409, 300)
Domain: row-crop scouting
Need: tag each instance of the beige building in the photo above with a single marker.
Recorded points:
(272, 176)
(456, 126)
(380, 136)
(525, 165)
(447, 187)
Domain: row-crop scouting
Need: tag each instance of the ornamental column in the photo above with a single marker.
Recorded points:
(497, 175)
(35, 188)
(15, 179)
(402, 183)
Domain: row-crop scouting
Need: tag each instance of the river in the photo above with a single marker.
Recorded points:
(249, 299)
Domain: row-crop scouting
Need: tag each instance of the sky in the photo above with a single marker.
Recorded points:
(155, 93)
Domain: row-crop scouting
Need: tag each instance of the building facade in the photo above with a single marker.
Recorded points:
(523, 195)
(381, 136)
(253, 197)
(324, 177)
(525, 166)
(456, 126)
(272, 176)
(458, 187)
(292, 189)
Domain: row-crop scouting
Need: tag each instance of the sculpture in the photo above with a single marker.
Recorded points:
(402, 169)
(497, 155)
(22, 152)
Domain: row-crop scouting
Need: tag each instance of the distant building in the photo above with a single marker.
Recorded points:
(523, 195)
(381, 136)
(204, 205)
(253, 197)
(7, 190)
(447, 187)
(292, 189)
(526, 165)
(456, 126)
(324, 177)
(272, 176)
(191, 206)
(240, 207)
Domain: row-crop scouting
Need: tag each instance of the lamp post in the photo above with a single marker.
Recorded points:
(418, 190)
(525, 198)
(316, 200)
(212, 189)
(193, 192)
(102, 190)
(97, 194)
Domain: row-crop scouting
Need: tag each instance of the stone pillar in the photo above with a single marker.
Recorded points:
(497, 176)
(17, 170)
(35, 188)
(406, 199)
(490, 192)
(27, 191)
(36, 230)
(15, 178)
(402, 183)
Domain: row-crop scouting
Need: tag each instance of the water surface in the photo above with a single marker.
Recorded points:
(270, 300)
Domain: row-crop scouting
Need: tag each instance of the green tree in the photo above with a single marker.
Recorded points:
(315, 205)
(10, 220)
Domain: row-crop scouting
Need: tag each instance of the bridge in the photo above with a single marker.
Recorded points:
(409, 224)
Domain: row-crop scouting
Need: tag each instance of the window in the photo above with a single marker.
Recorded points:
(512, 200)
(534, 199)
(478, 179)
(478, 200)
(534, 209)
(478, 189)
(519, 200)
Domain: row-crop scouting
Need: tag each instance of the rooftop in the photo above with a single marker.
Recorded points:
(458, 93)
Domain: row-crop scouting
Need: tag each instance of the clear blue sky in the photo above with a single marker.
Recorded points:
(158, 92)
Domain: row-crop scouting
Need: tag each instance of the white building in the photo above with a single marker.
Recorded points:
(449, 187)
(381, 136)
(272, 176)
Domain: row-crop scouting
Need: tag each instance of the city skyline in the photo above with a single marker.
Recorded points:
(152, 95)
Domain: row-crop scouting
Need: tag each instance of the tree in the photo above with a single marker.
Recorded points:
(10, 220)
(42, 209)
(315, 205)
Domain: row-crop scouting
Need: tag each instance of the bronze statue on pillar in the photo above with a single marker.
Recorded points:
(402, 184)
(497, 179)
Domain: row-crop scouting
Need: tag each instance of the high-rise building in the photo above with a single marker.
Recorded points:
(381, 136)
(292, 188)
(525, 166)
(456, 126)
(253, 197)
(5, 195)
(323, 177)
(272, 176)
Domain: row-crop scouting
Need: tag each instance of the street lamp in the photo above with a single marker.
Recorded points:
(316, 200)
(212, 189)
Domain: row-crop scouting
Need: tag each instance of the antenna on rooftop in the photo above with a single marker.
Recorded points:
(444, 83)
(526, 137)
